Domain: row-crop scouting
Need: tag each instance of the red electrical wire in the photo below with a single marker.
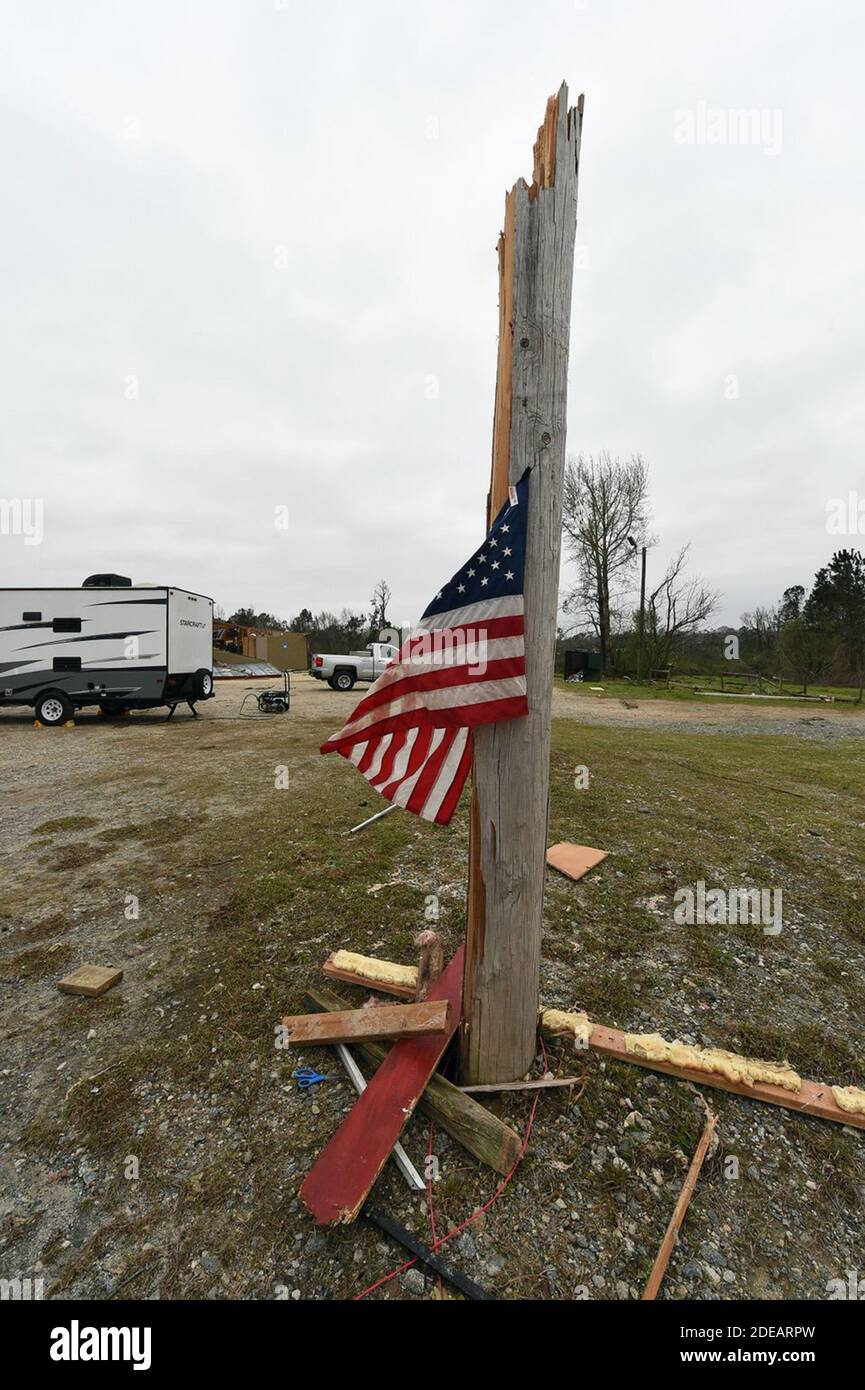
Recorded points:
(475, 1214)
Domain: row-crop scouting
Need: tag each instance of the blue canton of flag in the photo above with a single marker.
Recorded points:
(463, 665)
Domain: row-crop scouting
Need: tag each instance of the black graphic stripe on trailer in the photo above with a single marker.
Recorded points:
(92, 637)
(24, 627)
(128, 602)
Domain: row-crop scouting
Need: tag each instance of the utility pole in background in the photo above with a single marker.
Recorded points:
(642, 618)
(511, 760)
(642, 611)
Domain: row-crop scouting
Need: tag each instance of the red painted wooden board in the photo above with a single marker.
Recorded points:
(339, 1181)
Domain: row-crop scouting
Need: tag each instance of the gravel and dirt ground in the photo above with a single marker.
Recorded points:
(153, 1139)
(733, 716)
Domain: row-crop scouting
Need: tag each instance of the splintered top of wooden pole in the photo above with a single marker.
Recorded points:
(558, 120)
(544, 175)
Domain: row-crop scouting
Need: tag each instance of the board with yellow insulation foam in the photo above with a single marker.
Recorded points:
(850, 1098)
(742, 1070)
(559, 1022)
(375, 971)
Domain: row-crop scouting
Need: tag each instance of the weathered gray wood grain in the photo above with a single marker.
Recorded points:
(511, 760)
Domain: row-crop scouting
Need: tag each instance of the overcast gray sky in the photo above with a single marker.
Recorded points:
(248, 262)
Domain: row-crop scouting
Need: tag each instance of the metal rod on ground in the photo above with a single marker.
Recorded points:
(403, 1162)
(378, 815)
(426, 1256)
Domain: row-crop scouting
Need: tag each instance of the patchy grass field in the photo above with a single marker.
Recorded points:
(153, 1139)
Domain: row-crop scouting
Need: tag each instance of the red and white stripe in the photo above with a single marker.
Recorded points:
(409, 736)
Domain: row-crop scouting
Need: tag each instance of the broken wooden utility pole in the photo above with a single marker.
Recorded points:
(511, 759)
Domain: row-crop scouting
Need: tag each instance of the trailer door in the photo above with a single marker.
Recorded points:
(190, 633)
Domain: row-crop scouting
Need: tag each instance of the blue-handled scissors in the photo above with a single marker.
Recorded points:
(306, 1077)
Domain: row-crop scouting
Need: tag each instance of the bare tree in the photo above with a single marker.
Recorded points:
(762, 627)
(806, 651)
(676, 607)
(381, 597)
(605, 510)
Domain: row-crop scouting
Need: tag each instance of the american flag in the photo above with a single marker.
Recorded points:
(463, 665)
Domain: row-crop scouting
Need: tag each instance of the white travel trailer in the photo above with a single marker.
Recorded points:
(110, 643)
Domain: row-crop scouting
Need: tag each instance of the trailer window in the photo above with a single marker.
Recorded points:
(67, 624)
(31, 617)
(67, 663)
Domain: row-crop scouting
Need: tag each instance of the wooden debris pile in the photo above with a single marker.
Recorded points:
(338, 1185)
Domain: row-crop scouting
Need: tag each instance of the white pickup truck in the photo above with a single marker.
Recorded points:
(341, 671)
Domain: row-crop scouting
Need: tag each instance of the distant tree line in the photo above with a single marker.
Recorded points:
(328, 632)
(814, 637)
(247, 617)
(808, 637)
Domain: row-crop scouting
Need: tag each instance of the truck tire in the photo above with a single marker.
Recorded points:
(53, 708)
(202, 684)
(343, 680)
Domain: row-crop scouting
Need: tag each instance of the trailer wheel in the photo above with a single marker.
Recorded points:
(202, 683)
(343, 680)
(53, 708)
